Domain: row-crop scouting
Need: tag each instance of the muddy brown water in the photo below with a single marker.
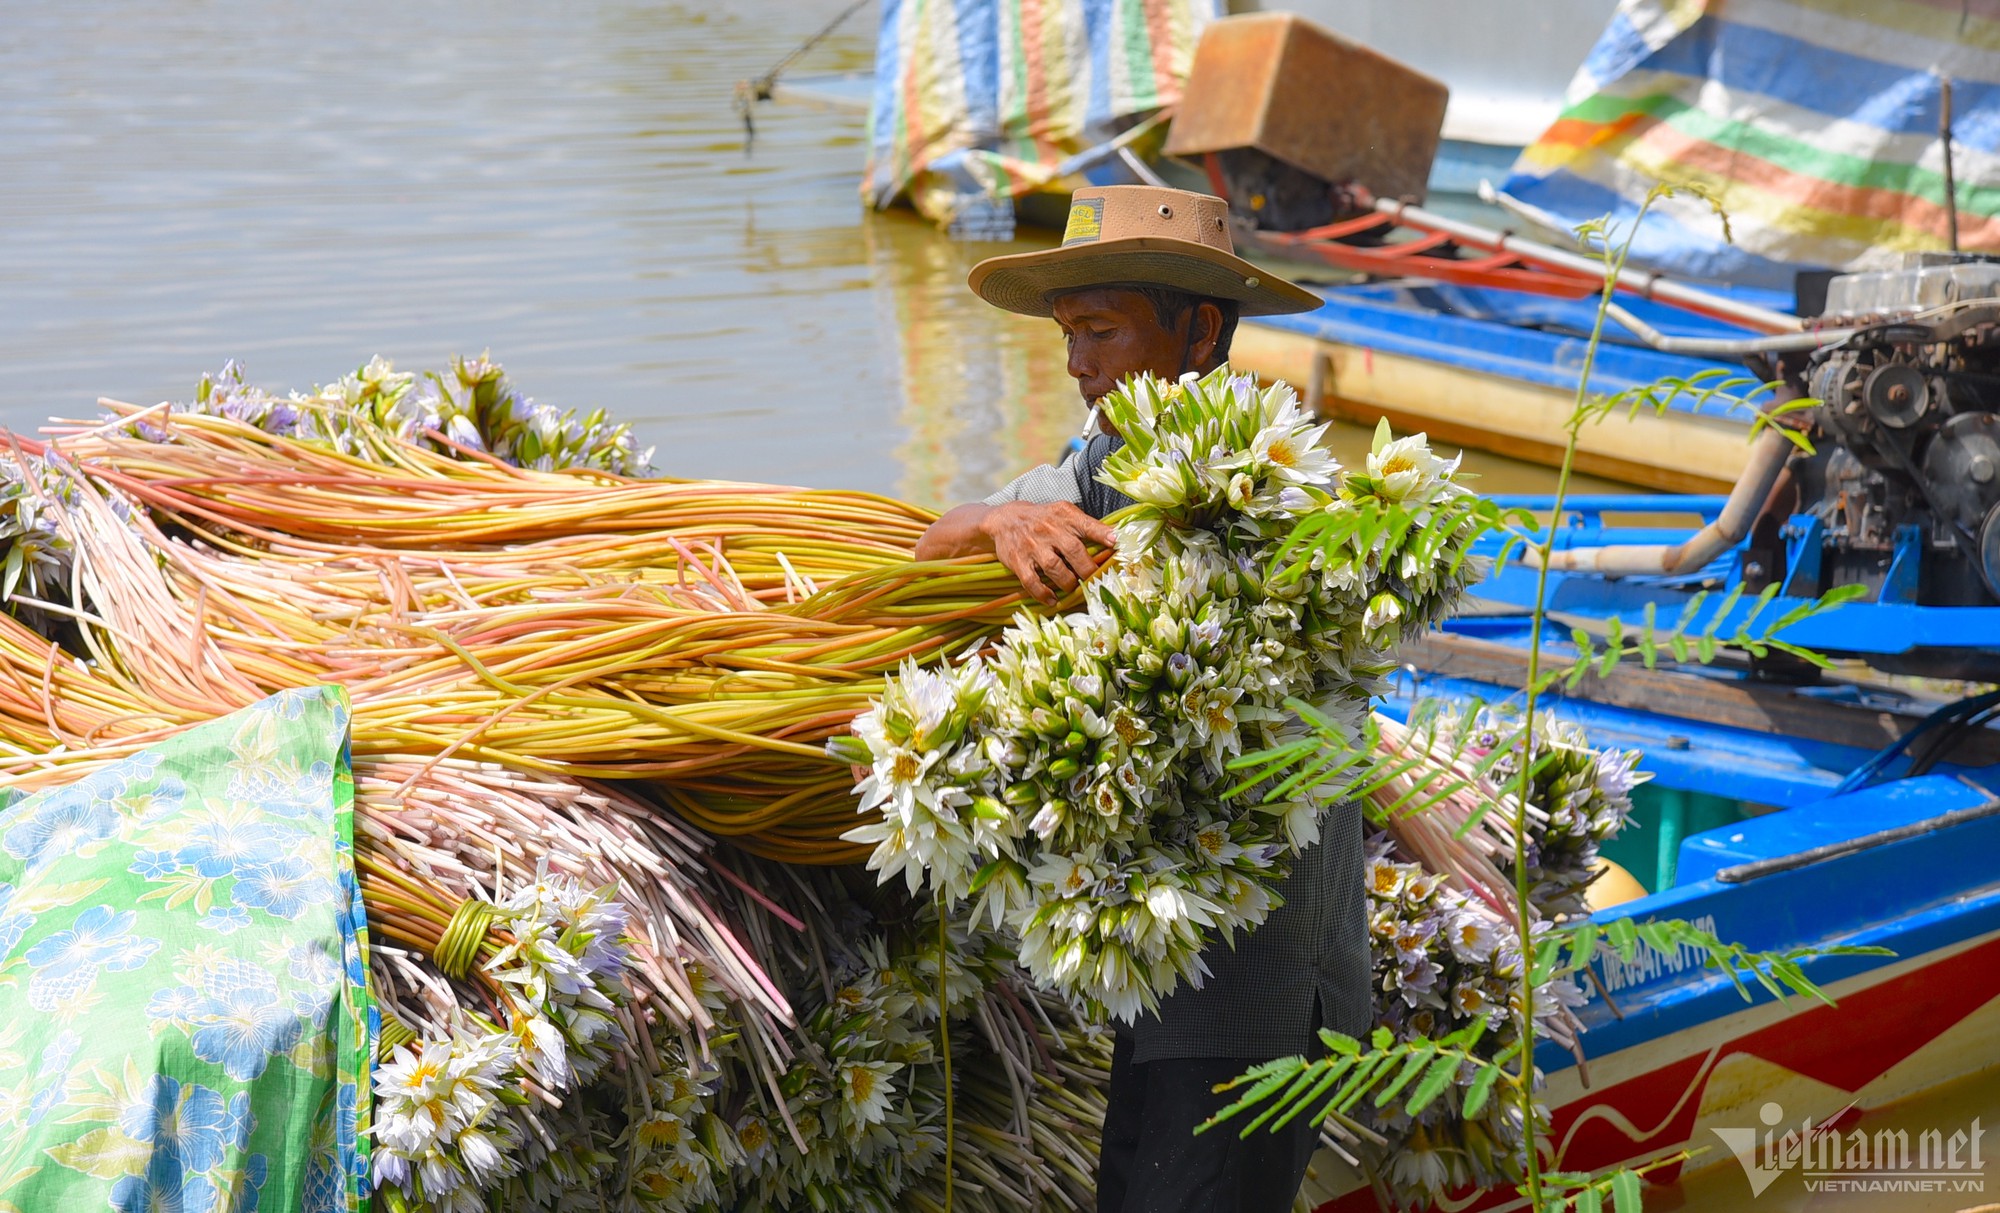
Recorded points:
(301, 186)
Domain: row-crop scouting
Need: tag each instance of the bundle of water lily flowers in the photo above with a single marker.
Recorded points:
(565, 683)
(1440, 885)
(1076, 786)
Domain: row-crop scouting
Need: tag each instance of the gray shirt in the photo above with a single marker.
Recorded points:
(1307, 966)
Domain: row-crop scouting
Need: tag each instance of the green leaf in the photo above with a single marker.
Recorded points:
(1582, 944)
(1436, 1079)
(1294, 1097)
(1482, 1087)
(1715, 621)
(1763, 600)
(981, 878)
(1614, 646)
(1371, 1067)
(1589, 1200)
(1412, 1066)
(1271, 1076)
(1317, 1093)
(1623, 937)
(1625, 1196)
(1547, 953)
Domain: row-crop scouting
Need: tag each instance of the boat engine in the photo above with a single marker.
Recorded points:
(1904, 494)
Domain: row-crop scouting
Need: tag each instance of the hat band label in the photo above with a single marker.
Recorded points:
(1086, 221)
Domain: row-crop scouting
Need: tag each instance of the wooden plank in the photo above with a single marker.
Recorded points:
(1758, 708)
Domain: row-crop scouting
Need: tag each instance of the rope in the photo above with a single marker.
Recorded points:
(758, 88)
(393, 1035)
(459, 946)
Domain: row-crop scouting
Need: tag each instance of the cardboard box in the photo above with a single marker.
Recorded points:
(1278, 84)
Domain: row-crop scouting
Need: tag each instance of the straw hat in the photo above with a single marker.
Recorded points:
(1138, 235)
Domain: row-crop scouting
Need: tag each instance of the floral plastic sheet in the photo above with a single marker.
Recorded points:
(184, 1014)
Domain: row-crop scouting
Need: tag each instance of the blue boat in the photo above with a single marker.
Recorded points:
(1850, 810)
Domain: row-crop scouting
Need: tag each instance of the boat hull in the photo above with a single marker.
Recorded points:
(1915, 1026)
(1674, 452)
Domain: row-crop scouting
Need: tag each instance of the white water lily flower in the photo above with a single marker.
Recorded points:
(438, 1115)
(1215, 843)
(1384, 609)
(1301, 821)
(1471, 934)
(1292, 452)
(1408, 471)
(866, 1089)
(1160, 486)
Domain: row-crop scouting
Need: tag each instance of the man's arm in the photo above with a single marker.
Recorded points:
(1043, 545)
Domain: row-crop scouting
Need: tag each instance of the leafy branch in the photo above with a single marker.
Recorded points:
(1778, 972)
(1585, 1192)
(1732, 390)
(1449, 526)
(1348, 1073)
(1648, 643)
(1330, 752)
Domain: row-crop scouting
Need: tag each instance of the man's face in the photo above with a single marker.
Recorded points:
(1113, 334)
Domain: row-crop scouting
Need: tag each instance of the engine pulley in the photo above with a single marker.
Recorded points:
(1897, 394)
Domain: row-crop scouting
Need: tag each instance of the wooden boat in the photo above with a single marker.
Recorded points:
(1497, 370)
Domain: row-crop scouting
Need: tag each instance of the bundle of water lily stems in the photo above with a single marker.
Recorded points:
(565, 684)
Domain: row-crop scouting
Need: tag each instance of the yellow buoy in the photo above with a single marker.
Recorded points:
(1614, 886)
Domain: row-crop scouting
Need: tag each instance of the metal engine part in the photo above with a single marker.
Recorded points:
(1903, 495)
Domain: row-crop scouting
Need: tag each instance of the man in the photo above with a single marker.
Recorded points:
(1147, 281)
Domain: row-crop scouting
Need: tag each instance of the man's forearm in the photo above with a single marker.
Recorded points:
(957, 533)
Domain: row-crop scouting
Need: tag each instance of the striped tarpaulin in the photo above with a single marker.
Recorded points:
(1815, 122)
(989, 97)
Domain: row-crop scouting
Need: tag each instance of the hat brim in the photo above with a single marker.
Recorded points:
(1026, 282)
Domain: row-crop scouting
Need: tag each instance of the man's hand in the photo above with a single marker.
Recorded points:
(1043, 545)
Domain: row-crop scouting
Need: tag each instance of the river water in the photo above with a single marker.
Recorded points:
(300, 186)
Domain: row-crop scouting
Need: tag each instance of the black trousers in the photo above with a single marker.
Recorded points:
(1151, 1161)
